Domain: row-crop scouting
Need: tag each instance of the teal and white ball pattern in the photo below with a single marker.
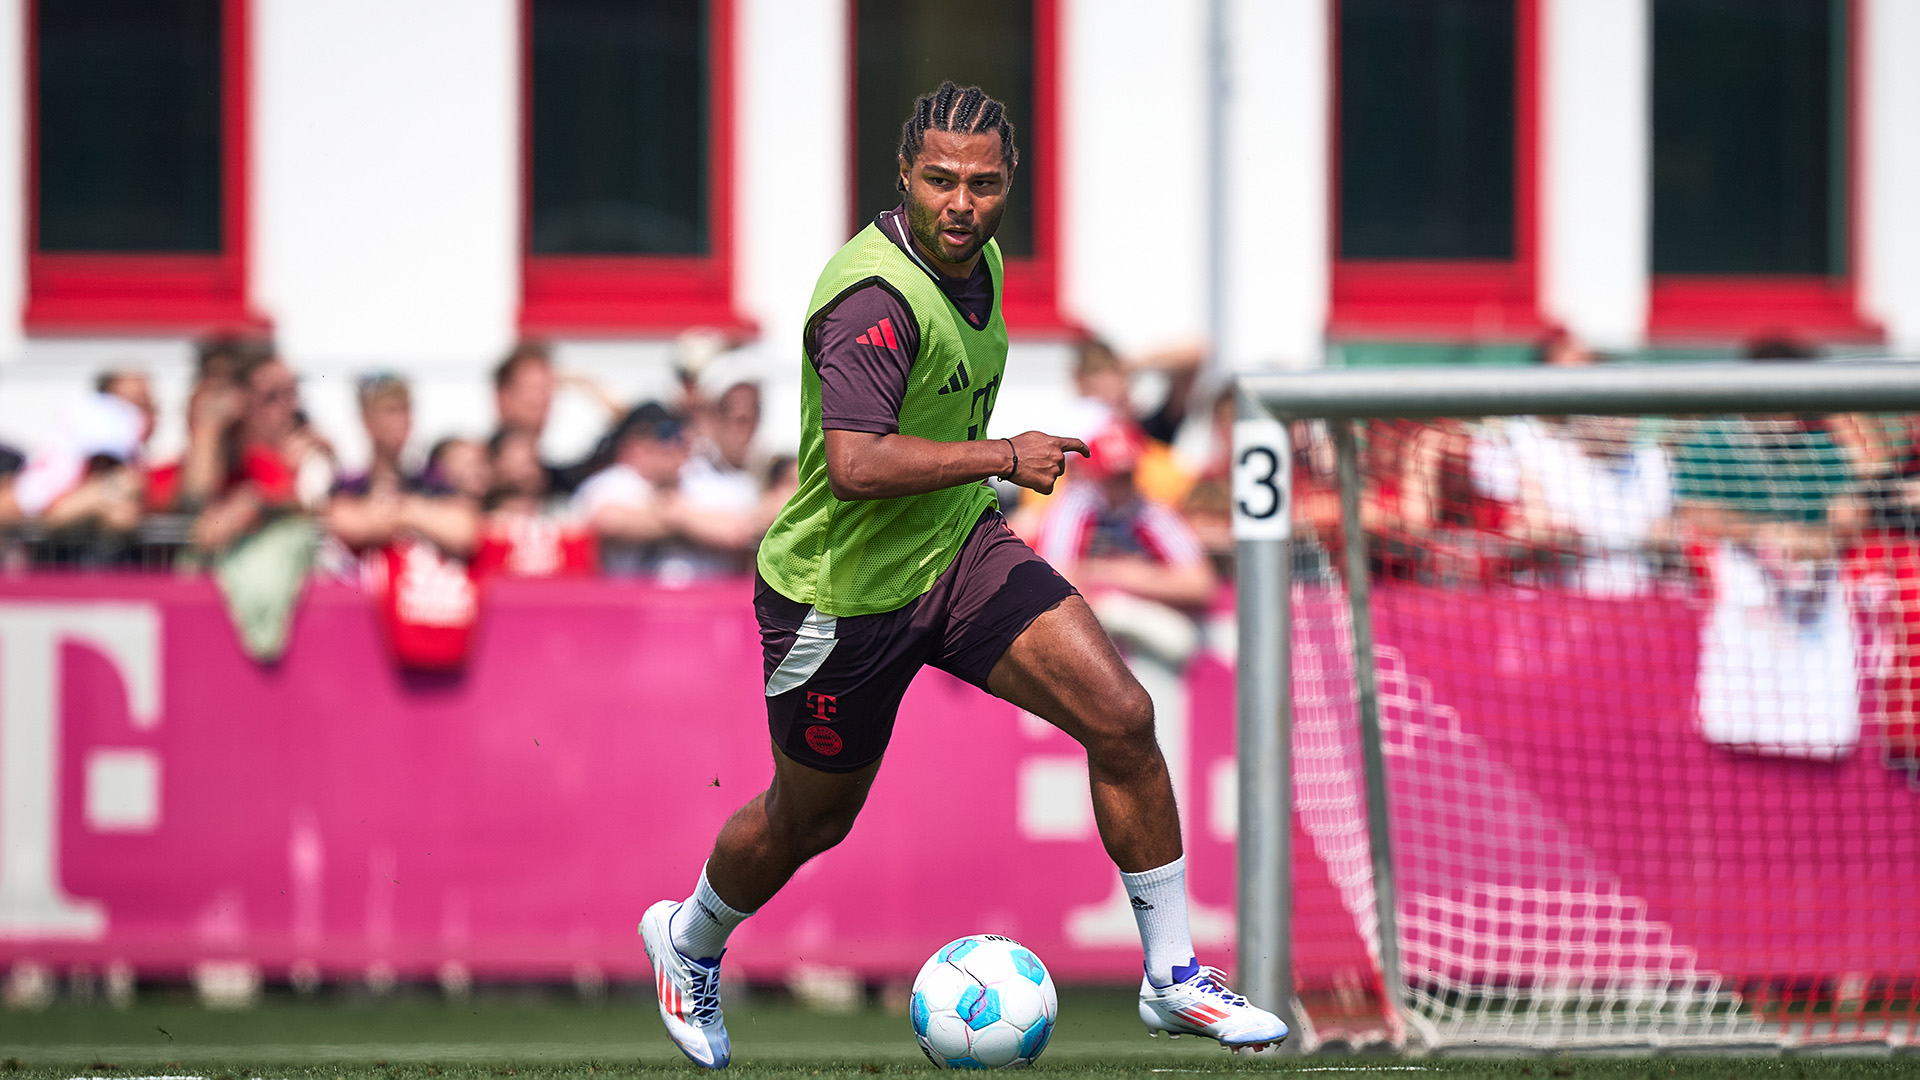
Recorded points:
(983, 1002)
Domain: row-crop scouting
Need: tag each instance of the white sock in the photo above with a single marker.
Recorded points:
(1159, 900)
(700, 927)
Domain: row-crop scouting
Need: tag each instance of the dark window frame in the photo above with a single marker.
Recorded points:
(129, 292)
(1031, 305)
(1815, 307)
(1472, 298)
(640, 294)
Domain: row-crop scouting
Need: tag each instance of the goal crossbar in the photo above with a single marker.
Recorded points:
(1624, 389)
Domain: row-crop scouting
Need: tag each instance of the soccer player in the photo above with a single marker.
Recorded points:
(891, 555)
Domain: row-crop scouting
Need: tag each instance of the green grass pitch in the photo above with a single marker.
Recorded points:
(540, 1036)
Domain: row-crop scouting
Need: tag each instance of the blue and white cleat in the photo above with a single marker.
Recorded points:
(1200, 1004)
(689, 992)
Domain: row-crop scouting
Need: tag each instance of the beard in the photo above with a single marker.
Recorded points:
(924, 222)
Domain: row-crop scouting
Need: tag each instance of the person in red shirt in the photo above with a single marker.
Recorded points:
(1143, 570)
(523, 535)
(266, 444)
(214, 409)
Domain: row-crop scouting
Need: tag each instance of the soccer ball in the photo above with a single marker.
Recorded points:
(983, 1002)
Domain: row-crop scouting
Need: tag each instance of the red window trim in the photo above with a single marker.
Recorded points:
(1478, 298)
(1814, 307)
(1031, 305)
(640, 294)
(120, 292)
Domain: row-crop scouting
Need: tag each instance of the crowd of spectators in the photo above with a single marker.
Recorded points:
(681, 489)
(675, 490)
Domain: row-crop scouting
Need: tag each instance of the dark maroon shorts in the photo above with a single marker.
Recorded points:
(834, 684)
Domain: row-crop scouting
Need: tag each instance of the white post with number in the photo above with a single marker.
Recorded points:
(1262, 480)
(1262, 528)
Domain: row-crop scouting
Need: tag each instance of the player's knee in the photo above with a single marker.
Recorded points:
(1133, 715)
(1123, 740)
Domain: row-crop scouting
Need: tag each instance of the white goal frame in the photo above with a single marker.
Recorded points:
(1262, 504)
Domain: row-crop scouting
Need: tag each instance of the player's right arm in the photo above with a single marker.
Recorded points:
(862, 384)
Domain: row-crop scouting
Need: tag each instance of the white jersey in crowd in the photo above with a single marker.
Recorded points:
(1614, 501)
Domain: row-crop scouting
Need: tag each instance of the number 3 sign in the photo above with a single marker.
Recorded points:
(1262, 480)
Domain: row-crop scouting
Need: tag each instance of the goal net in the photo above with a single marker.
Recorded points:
(1646, 691)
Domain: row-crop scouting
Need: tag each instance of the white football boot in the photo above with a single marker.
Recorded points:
(689, 992)
(1202, 1005)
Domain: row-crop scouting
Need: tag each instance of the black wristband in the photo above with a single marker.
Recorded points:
(1008, 475)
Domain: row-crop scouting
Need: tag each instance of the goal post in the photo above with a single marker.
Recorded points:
(1569, 793)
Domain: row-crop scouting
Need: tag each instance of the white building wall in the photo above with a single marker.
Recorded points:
(1278, 171)
(1889, 230)
(1133, 183)
(1595, 147)
(387, 195)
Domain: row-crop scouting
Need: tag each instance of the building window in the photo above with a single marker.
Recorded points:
(904, 48)
(1751, 168)
(627, 107)
(1434, 163)
(137, 200)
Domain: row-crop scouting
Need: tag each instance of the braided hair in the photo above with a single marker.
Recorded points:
(962, 111)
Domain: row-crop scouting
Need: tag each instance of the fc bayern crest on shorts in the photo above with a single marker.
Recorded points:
(823, 740)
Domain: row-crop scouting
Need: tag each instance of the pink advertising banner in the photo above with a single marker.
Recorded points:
(164, 801)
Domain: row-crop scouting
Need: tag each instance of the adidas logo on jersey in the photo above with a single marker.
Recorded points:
(880, 336)
(957, 381)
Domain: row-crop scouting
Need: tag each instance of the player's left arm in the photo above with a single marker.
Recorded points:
(862, 385)
(868, 465)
